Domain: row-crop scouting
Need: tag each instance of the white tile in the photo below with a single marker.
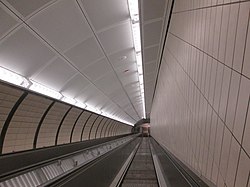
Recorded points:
(243, 170)
(241, 36)
(231, 33)
(232, 163)
(224, 93)
(223, 35)
(232, 99)
(241, 112)
(246, 65)
(246, 138)
(225, 152)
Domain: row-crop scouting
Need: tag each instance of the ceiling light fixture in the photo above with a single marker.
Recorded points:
(80, 104)
(69, 100)
(13, 78)
(122, 58)
(16, 79)
(134, 14)
(37, 87)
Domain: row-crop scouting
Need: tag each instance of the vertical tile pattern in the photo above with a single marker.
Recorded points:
(93, 129)
(65, 131)
(99, 129)
(87, 127)
(8, 98)
(201, 107)
(22, 128)
(76, 137)
(50, 125)
(23, 125)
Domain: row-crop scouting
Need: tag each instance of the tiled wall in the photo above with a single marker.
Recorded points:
(7, 101)
(104, 127)
(94, 127)
(21, 131)
(36, 121)
(201, 107)
(65, 130)
(48, 130)
(98, 130)
(88, 125)
(79, 125)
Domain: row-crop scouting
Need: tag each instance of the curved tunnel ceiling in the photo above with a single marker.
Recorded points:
(83, 49)
(30, 121)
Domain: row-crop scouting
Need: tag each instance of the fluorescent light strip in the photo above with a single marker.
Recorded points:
(37, 87)
(134, 14)
(69, 100)
(136, 36)
(80, 104)
(13, 78)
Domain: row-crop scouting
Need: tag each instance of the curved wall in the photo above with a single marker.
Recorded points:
(29, 120)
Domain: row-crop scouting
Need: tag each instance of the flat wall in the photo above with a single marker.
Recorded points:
(29, 121)
(200, 110)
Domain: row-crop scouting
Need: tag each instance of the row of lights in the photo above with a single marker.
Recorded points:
(14, 78)
(134, 14)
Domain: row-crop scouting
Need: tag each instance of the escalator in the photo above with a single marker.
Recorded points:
(141, 172)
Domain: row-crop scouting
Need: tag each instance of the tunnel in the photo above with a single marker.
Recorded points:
(130, 93)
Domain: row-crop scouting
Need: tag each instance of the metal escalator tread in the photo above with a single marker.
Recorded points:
(141, 172)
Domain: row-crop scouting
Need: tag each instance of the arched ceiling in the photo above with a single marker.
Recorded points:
(84, 49)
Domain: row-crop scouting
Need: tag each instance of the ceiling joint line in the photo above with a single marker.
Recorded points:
(93, 30)
(65, 58)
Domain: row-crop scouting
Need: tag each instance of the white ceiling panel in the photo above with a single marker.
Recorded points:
(23, 53)
(117, 38)
(116, 92)
(123, 58)
(6, 20)
(127, 69)
(152, 33)
(74, 86)
(97, 70)
(55, 74)
(98, 101)
(129, 78)
(85, 53)
(26, 7)
(121, 100)
(84, 49)
(108, 83)
(153, 9)
(62, 24)
(151, 67)
(150, 77)
(87, 93)
(150, 54)
(105, 13)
